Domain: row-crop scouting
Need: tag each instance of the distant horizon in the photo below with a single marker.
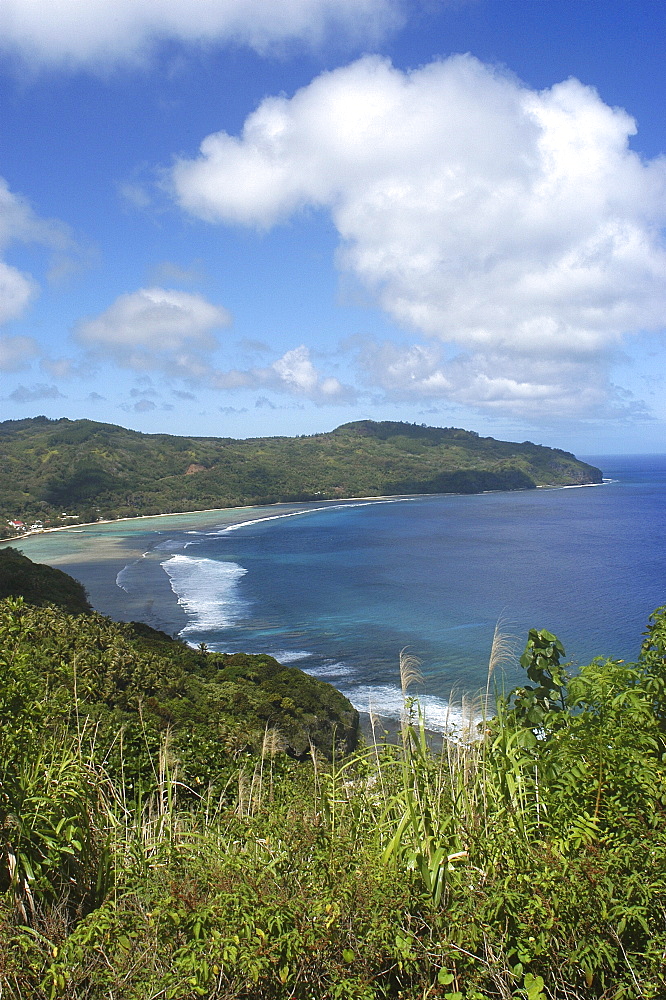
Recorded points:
(626, 454)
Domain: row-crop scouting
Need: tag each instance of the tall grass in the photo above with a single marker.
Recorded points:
(501, 865)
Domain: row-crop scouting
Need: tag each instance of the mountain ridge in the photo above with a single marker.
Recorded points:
(84, 470)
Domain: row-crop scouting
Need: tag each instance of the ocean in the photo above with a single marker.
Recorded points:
(340, 588)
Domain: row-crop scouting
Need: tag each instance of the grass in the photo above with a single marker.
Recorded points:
(520, 861)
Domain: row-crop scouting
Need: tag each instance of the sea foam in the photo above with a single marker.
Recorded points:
(386, 701)
(290, 655)
(123, 578)
(207, 591)
(171, 545)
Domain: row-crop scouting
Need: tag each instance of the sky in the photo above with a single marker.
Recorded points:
(245, 218)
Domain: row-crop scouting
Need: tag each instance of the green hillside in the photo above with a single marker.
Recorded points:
(133, 678)
(39, 584)
(89, 470)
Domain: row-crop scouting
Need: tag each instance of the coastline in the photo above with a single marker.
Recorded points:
(214, 510)
(366, 608)
(279, 503)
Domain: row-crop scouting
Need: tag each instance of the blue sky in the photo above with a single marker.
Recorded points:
(243, 217)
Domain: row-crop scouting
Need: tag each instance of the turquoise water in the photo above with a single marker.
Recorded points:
(341, 588)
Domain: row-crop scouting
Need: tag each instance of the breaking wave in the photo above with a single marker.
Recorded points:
(207, 591)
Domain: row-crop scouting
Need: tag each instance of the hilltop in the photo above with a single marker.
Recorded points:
(89, 470)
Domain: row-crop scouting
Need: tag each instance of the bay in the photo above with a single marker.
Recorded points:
(339, 589)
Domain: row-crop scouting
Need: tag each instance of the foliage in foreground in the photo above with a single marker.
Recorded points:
(527, 859)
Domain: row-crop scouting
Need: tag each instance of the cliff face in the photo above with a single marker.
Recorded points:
(577, 473)
(49, 468)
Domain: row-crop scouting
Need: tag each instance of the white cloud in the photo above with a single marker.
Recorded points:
(141, 406)
(157, 328)
(134, 194)
(63, 367)
(16, 292)
(98, 33)
(293, 373)
(234, 379)
(20, 224)
(16, 352)
(528, 387)
(517, 226)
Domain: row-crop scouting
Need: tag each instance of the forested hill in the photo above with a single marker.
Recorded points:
(132, 677)
(90, 470)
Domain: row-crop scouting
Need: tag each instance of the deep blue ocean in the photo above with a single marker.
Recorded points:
(340, 589)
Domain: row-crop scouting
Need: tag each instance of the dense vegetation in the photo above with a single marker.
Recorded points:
(90, 470)
(135, 679)
(39, 584)
(526, 859)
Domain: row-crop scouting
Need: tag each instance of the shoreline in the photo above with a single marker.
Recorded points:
(213, 510)
(279, 503)
(145, 602)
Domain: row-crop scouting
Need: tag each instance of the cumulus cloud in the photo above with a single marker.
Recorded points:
(23, 394)
(141, 406)
(16, 292)
(517, 226)
(64, 368)
(159, 329)
(20, 224)
(96, 33)
(296, 373)
(293, 373)
(16, 352)
(527, 386)
(156, 328)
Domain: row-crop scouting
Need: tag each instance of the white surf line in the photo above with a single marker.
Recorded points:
(206, 590)
(311, 510)
(578, 486)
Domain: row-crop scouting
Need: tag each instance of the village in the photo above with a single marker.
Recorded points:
(21, 528)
